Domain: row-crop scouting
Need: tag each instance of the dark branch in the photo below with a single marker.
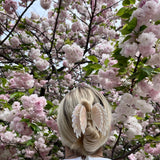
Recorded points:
(55, 27)
(114, 147)
(90, 27)
(135, 70)
(17, 22)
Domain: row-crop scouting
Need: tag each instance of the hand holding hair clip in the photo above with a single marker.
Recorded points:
(97, 115)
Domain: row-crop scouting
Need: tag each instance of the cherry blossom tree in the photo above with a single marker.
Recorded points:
(109, 44)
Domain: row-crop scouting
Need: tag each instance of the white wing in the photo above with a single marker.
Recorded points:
(83, 119)
(99, 117)
(76, 120)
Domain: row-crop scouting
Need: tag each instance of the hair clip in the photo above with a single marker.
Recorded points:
(97, 114)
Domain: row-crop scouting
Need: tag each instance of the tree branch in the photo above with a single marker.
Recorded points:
(114, 147)
(135, 70)
(108, 7)
(90, 27)
(55, 27)
(17, 22)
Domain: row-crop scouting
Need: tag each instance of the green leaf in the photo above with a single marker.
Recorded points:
(132, 1)
(3, 81)
(106, 62)
(93, 58)
(138, 137)
(122, 61)
(30, 142)
(52, 110)
(34, 127)
(128, 28)
(49, 105)
(142, 73)
(21, 26)
(128, 37)
(126, 3)
(156, 123)
(96, 66)
(89, 71)
(143, 27)
(25, 120)
(91, 67)
(68, 41)
(148, 137)
(17, 95)
(157, 22)
(121, 11)
(31, 91)
(139, 118)
(125, 12)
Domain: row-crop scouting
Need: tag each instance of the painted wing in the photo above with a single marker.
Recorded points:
(97, 116)
(83, 119)
(76, 120)
(105, 121)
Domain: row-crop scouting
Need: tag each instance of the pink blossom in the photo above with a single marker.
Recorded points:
(34, 15)
(10, 6)
(14, 41)
(147, 39)
(73, 53)
(143, 106)
(108, 79)
(16, 105)
(154, 29)
(8, 136)
(42, 64)
(146, 50)
(4, 97)
(134, 128)
(63, 16)
(150, 8)
(6, 115)
(29, 153)
(43, 82)
(45, 4)
(143, 2)
(141, 17)
(68, 77)
(132, 157)
(2, 16)
(154, 60)
(152, 150)
(34, 54)
(129, 49)
(25, 138)
(77, 27)
(104, 47)
(21, 80)
(52, 124)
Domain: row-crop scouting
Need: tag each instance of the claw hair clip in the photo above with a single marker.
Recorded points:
(97, 114)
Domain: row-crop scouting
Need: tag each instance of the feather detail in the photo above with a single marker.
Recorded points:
(97, 116)
(105, 122)
(83, 119)
(76, 120)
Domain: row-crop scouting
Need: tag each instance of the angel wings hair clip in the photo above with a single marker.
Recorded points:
(97, 115)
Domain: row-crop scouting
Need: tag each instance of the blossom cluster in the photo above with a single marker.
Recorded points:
(145, 43)
(79, 42)
(31, 111)
(73, 53)
(128, 107)
(20, 80)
